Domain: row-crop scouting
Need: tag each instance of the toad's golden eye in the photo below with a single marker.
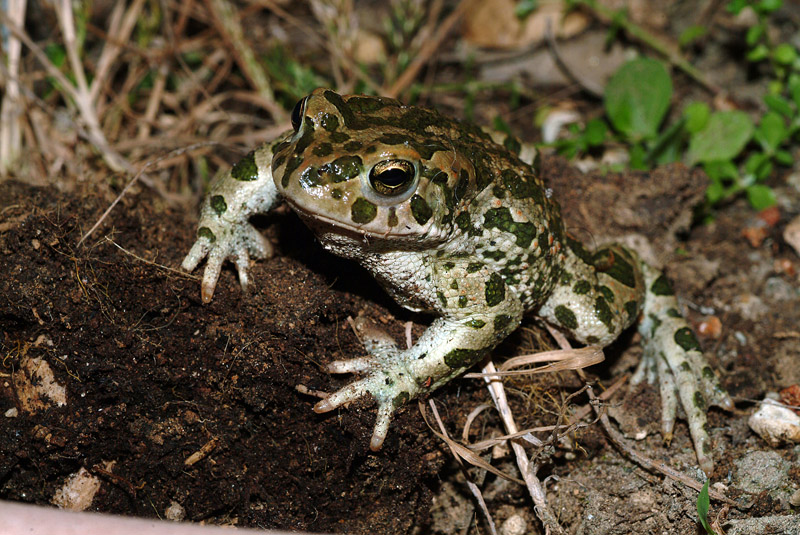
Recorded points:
(297, 113)
(391, 178)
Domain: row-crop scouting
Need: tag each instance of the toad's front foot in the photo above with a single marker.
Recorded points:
(219, 241)
(387, 378)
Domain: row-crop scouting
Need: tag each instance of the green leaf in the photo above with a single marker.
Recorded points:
(691, 34)
(715, 192)
(720, 170)
(723, 138)
(736, 6)
(793, 85)
(525, 8)
(638, 155)
(772, 131)
(760, 197)
(784, 53)
(784, 157)
(779, 104)
(702, 508)
(595, 133)
(754, 35)
(697, 114)
(637, 98)
(768, 6)
(754, 161)
(758, 53)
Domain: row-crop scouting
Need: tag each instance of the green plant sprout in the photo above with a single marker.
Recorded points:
(702, 509)
(737, 152)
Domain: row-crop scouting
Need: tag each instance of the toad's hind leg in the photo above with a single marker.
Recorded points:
(601, 293)
(672, 351)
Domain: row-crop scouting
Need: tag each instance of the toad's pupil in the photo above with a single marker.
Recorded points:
(393, 178)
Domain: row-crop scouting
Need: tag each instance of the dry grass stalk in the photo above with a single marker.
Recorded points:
(10, 110)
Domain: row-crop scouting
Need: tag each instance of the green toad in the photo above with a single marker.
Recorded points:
(455, 223)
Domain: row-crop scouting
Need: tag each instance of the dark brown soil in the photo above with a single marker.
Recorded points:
(153, 376)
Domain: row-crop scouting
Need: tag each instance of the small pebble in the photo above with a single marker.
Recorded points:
(514, 525)
(175, 512)
(12, 412)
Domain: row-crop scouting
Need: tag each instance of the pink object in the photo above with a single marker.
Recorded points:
(20, 519)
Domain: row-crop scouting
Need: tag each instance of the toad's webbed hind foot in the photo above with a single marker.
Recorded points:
(673, 354)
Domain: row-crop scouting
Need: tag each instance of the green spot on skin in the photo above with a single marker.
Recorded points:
(519, 187)
(472, 267)
(498, 192)
(218, 204)
(322, 150)
(462, 301)
(706, 448)
(566, 317)
(337, 193)
(656, 324)
(291, 166)
(672, 313)
(339, 137)
(512, 144)
(400, 400)
(699, 401)
(310, 178)
(420, 209)
(463, 221)
(500, 218)
(495, 290)
(329, 122)
(686, 339)
(352, 146)
(604, 313)
(501, 322)
(205, 232)
(708, 373)
(632, 308)
(476, 324)
(566, 278)
(607, 293)
(684, 366)
(493, 255)
(579, 250)
(661, 286)
(341, 106)
(362, 211)
(462, 358)
(442, 298)
(454, 285)
(342, 169)
(370, 104)
(615, 266)
(245, 170)
(591, 340)
(448, 266)
(581, 287)
(392, 220)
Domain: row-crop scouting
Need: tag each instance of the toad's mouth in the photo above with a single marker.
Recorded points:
(320, 223)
